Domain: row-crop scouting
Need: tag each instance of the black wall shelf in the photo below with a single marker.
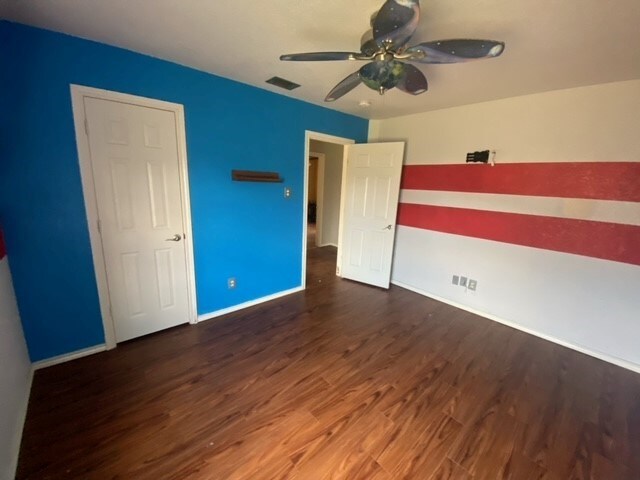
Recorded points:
(253, 176)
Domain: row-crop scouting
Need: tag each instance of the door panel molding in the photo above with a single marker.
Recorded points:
(373, 173)
(78, 94)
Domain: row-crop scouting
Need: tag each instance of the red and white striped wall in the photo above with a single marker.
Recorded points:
(590, 209)
(551, 234)
(554, 247)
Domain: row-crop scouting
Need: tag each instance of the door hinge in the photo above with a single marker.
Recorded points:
(99, 226)
(86, 126)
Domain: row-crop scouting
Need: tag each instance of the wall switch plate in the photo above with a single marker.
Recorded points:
(455, 280)
(472, 285)
(231, 283)
(463, 281)
(287, 192)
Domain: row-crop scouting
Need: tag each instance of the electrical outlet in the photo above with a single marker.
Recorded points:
(472, 285)
(455, 280)
(231, 283)
(463, 281)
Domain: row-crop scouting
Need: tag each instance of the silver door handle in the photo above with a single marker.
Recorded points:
(388, 227)
(175, 238)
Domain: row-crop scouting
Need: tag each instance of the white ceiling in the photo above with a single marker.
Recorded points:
(551, 44)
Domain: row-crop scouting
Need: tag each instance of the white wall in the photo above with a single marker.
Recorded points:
(15, 375)
(597, 123)
(590, 304)
(331, 192)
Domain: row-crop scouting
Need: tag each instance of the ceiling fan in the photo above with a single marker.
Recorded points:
(385, 47)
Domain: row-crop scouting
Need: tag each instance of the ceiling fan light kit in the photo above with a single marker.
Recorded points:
(385, 48)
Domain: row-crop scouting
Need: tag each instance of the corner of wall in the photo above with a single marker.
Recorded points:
(375, 127)
(16, 374)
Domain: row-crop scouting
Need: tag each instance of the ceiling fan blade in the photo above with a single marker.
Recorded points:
(368, 44)
(344, 87)
(396, 21)
(454, 51)
(413, 81)
(322, 56)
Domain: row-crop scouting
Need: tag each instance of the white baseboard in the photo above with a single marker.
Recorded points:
(579, 348)
(251, 303)
(68, 357)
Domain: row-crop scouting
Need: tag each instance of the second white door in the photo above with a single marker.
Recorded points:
(369, 217)
(136, 172)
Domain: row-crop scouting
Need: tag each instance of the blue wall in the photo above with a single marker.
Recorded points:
(248, 231)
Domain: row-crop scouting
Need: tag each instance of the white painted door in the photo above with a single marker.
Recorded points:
(134, 157)
(370, 208)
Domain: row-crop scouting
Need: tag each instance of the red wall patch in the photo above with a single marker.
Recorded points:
(609, 241)
(3, 248)
(597, 180)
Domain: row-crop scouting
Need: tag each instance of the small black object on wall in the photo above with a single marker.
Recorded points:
(478, 157)
(252, 176)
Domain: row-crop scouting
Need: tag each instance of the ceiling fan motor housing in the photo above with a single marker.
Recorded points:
(382, 75)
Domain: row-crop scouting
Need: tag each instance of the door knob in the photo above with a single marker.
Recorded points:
(175, 238)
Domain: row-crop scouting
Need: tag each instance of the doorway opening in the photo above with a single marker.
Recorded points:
(324, 185)
(367, 206)
(315, 187)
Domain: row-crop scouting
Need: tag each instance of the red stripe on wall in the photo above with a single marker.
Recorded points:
(601, 180)
(609, 241)
(3, 248)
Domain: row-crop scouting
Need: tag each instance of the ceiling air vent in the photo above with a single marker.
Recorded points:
(282, 83)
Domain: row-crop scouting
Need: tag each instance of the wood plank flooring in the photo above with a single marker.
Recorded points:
(342, 381)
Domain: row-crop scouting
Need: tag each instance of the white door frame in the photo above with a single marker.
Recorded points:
(78, 94)
(321, 137)
(320, 194)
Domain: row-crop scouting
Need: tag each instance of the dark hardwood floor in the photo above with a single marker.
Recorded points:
(342, 381)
